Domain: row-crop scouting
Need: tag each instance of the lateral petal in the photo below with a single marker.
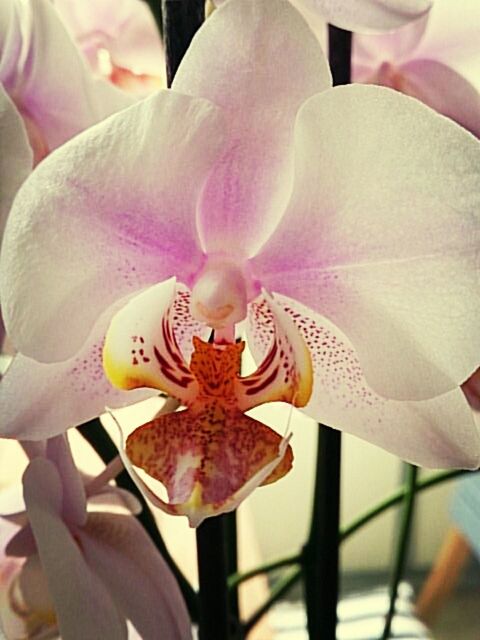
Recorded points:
(382, 236)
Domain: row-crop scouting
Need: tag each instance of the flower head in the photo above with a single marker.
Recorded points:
(120, 40)
(434, 59)
(102, 564)
(330, 219)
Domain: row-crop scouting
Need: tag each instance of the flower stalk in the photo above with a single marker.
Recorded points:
(181, 19)
(214, 623)
(402, 546)
(320, 553)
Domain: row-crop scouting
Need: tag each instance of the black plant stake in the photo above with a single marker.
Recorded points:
(320, 554)
(181, 20)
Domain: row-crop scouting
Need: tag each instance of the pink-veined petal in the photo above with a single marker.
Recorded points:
(82, 602)
(30, 390)
(141, 349)
(122, 198)
(444, 90)
(433, 433)
(74, 510)
(370, 51)
(369, 16)
(262, 65)
(37, 55)
(16, 159)
(120, 552)
(207, 468)
(125, 28)
(381, 237)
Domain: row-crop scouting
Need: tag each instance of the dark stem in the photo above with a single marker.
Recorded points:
(339, 54)
(232, 561)
(290, 579)
(212, 576)
(320, 554)
(96, 435)
(402, 547)
(181, 20)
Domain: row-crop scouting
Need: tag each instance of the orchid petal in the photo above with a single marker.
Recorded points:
(16, 159)
(367, 16)
(23, 543)
(251, 181)
(432, 433)
(382, 236)
(369, 52)
(125, 559)
(29, 391)
(205, 467)
(428, 80)
(74, 510)
(37, 56)
(32, 582)
(111, 496)
(61, 559)
(451, 38)
(140, 346)
(125, 28)
(471, 389)
(125, 239)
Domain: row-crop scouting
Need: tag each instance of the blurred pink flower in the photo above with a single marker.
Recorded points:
(363, 16)
(356, 207)
(435, 59)
(119, 39)
(79, 571)
(37, 57)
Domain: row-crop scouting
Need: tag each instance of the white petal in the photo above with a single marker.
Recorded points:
(144, 588)
(382, 236)
(122, 199)
(30, 391)
(259, 64)
(82, 602)
(434, 433)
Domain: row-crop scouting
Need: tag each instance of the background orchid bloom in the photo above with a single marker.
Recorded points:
(363, 16)
(354, 206)
(119, 39)
(43, 72)
(435, 59)
(84, 570)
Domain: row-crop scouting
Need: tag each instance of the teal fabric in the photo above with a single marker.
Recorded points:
(465, 509)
